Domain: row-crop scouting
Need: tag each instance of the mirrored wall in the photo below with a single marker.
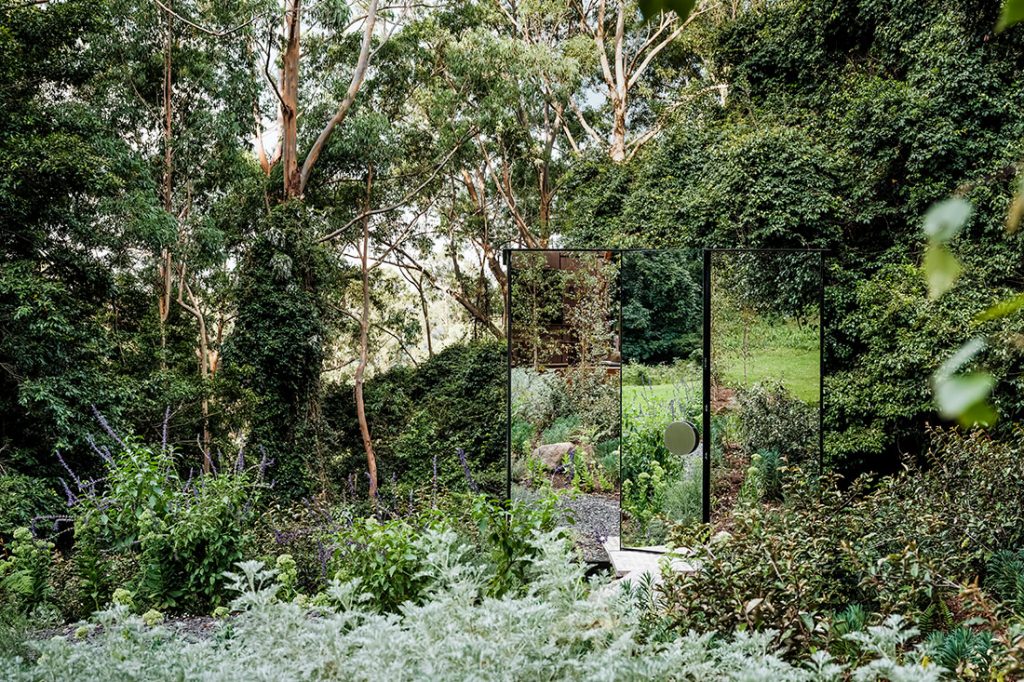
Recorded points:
(650, 389)
(564, 372)
(765, 373)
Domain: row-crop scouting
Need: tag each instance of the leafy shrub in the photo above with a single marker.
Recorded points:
(385, 558)
(1004, 578)
(609, 462)
(592, 396)
(386, 555)
(962, 651)
(15, 631)
(507, 531)
(171, 536)
(764, 478)
(684, 502)
(643, 498)
(562, 430)
(522, 435)
(25, 573)
(454, 400)
(536, 395)
(584, 472)
(23, 498)
(287, 576)
(771, 419)
(896, 546)
(557, 629)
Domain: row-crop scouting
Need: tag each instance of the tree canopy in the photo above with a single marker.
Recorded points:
(216, 213)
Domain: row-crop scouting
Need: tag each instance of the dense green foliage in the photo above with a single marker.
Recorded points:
(843, 122)
(170, 537)
(67, 314)
(772, 420)
(276, 352)
(905, 545)
(662, 305)
(421, 417)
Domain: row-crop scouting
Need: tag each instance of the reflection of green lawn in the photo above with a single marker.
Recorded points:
(797, 369)
(639, 396)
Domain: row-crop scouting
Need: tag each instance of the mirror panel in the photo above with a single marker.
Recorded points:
(662, 338)
(564, 371)
(765, 373)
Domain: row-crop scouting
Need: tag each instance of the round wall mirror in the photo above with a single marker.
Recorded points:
(681, 438)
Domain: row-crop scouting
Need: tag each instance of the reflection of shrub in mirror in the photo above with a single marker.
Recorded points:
(772, 420)
(658, 487)
(535, 395)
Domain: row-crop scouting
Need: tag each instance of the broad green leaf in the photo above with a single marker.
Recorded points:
(964, 397)
(941, 269)
(1013, 12)
(960, 358)
(1002, 309)
(944, 220)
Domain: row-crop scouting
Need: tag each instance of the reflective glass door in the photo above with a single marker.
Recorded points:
(764, 373)
(661, 463)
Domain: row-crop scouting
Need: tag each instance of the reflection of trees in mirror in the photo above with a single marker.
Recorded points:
(537, 304)
(766, 318)
(563, 308)
(564, 382)
(661, 305)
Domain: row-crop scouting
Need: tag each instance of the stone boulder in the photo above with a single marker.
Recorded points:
(553, 455)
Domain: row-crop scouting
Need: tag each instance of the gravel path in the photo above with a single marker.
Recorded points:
(591, 519)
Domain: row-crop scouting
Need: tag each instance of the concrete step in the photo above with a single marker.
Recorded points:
(630, 564)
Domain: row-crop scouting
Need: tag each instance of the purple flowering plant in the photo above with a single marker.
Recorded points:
(179, 527)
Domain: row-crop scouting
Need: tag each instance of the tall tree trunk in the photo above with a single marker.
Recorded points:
(290, 98)
(165, 272)
(207, 359)
(617, 151)
(364, 342)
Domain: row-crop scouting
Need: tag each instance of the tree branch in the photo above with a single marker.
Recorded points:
(659, 47)
(399, 204)
(207, 31)
(358, 76)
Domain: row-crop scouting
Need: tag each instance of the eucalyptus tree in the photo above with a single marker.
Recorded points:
(376, 193)
(316, 59)
(494, 82)
(627, 98)
(538, 83)
(77, 205)
(178, 86)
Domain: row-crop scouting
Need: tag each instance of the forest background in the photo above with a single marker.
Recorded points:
(245, 226)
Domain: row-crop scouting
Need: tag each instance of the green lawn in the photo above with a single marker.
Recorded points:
(638, 396)
(797, 369)
(785, 352)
